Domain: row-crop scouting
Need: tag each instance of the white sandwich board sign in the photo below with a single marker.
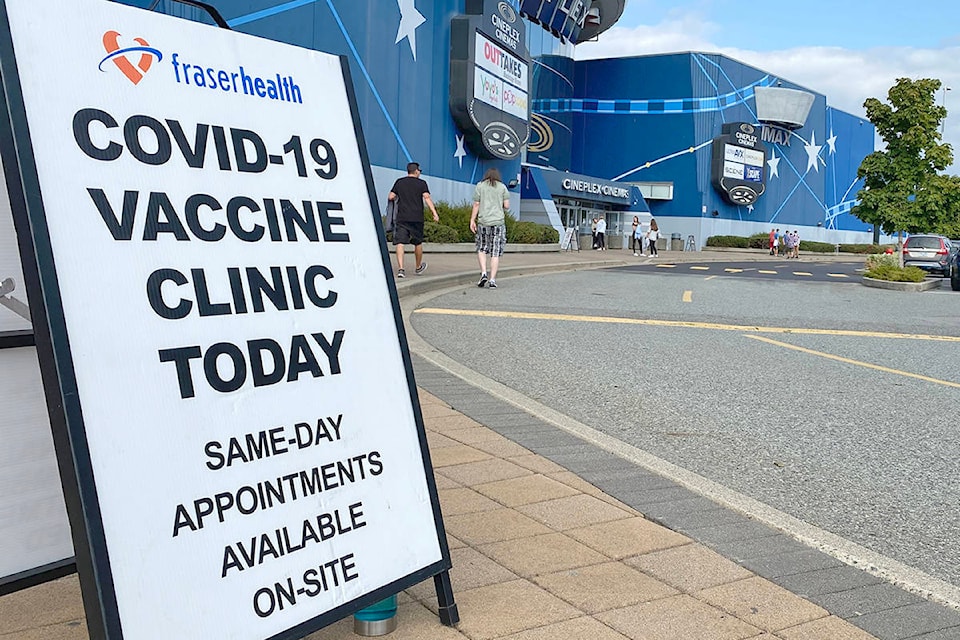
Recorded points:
(231, 394)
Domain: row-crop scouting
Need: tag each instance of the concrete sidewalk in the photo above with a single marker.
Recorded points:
(540, 553)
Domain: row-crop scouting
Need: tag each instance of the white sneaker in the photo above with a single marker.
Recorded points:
(635, 254)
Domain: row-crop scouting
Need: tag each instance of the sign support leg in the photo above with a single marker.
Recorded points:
(449, 615)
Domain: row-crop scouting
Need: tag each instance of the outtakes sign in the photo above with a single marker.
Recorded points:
(738, 160)
(230, 391)
(489, 78)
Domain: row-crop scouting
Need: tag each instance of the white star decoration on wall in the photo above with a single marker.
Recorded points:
(460, 153)
(410, 19)
(813, 153)
(832, 142)
(774, 164)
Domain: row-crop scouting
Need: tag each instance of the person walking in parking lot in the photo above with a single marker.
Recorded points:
(491, 200)
(411, 193)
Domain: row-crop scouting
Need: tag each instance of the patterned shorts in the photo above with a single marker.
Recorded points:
(491, 240)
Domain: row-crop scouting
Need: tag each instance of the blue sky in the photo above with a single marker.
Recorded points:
(848, 51)
(853, 25)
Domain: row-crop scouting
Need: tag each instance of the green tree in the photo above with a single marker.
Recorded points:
(905, 188)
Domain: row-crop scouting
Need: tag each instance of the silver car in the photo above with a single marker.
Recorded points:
(929, 252)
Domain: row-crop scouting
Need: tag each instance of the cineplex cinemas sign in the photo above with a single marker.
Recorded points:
(234, 413)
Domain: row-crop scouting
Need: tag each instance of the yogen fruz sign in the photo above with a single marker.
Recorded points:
(489, 78)
(738, 163)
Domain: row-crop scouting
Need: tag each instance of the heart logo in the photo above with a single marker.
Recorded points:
(118, 56)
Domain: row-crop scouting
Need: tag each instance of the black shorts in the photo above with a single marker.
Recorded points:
(408, 233)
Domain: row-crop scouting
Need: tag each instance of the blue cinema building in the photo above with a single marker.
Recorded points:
(704, 143)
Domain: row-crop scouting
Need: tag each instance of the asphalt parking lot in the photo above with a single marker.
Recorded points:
(828, 402)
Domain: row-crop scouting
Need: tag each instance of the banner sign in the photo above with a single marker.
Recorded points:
(243, 450)
(489, 78)
(738, 162)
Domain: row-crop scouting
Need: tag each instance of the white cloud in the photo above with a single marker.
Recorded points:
(847, 77)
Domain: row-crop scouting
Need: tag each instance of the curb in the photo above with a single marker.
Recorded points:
(430, 283)
(915, 287)
(469, 247)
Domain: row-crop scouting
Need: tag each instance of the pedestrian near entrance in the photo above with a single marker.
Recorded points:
(491, 200)
(601, 233)
(652, 236)
(411, 193)
(593, 231)
(796, 243)
(773, 241)
(636, 238)
(788, 243)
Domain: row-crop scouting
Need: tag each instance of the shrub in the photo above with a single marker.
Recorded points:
(727, 241)
(524, 233)
(864, 248)
(457, 217)
(436, 232)
(548, 235)
(887, 267)
(817, 247)
(759, 241)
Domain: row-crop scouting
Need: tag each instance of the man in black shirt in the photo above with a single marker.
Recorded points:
(410, 192)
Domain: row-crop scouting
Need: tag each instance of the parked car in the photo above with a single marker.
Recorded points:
(955, 271)
(929, 252)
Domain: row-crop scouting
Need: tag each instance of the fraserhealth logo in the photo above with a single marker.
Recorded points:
(273, 86)
(134, 73)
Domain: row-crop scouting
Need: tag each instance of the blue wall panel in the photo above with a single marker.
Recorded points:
(637, 119)
(403, 101)
(644, 119)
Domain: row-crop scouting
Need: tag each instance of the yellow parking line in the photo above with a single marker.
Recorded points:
(710, 277)
(700, 268)
(837, 275)
(734, 270)
(688, 296)
(767, 271)
(525, 315)
(666, 266)
(802, 273)
(858, 363)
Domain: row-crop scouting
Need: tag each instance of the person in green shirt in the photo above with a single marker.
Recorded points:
(490, 201)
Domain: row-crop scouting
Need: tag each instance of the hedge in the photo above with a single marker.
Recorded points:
(454, 227)
(759, 241)
(865, 248)
(887, 267)
(728, 241)
(762, 241)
